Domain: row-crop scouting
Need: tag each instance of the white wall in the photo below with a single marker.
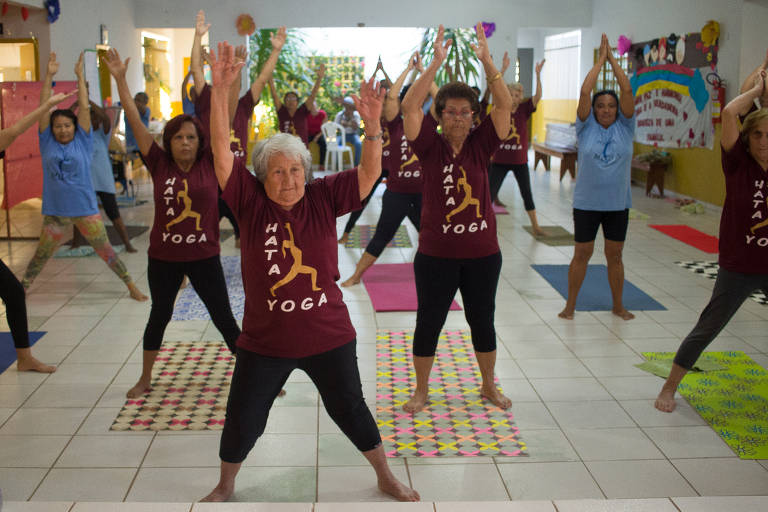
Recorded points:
(753, 41)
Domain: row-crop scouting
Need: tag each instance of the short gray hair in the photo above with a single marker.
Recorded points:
(286, 144)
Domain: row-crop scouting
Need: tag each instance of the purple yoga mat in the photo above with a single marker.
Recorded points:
(392, 287)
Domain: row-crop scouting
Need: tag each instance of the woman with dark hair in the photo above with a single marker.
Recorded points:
(66, 148)
(605, 128)
(184, 240)
(294, 313)
(292, 117)
(743, 231)
(458, 247)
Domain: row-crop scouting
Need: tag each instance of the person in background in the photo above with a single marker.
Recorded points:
(314, 123)
(292, 117)
(349, 119)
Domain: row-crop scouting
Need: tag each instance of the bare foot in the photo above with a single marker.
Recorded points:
(184, 283)
(538, 232)
(665, 402)
(130, 248)
(136, 294)
(218, 494)
(398, 490)
(416, 403)
(344, 239)
(351, 282)
(567, 314)
(139, 389)
(30, 364)
(623, 313)
(281, 393)
(496, 397)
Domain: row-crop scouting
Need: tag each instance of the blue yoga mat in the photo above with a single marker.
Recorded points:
(7, 350)
(595, 293)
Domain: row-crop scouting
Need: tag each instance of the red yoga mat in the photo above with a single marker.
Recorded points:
(392, 287)
(690, 236)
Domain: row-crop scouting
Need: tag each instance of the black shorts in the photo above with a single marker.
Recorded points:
(586, 223)
(109, 202)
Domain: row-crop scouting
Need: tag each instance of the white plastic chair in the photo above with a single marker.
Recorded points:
(335, 152)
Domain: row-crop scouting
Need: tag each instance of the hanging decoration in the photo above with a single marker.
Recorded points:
(245, 25)
(24, 13)
(623, 45)
(489, 28)
(53, 8)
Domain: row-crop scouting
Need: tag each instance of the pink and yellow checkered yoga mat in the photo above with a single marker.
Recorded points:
(457, 420)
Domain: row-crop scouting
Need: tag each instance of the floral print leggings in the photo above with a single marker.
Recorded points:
(54, 230)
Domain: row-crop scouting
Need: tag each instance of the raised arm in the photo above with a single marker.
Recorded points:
(585, 96)
(504, 67)
(234, 89)
(45, 91)
(196, 58)
(117, 69)
(413, 115)
(265, 74)
(369, 105)
(392, 100)
(749, 82)
(502, 100)
(626, 98)
(537, 96)
(224, 70)
(8, 135)
(738, 106)
(83, 105)
(310, 102)
(273, 92)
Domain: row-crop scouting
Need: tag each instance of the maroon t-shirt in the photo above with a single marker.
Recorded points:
(296, 125)
(293, 307)
(457, 219)
(405, 175)
(514, 149)
(744, 222)
(238, 136)
(203, 108)
(186, 225)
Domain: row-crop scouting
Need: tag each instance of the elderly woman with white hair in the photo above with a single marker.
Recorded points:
(294, 314)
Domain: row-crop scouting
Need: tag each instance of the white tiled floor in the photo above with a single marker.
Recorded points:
(586, 414)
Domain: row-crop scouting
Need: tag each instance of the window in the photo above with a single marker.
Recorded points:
(606, 79)
(560, 76)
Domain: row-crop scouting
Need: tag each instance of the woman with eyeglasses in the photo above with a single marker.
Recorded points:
(605, 128)
(458, 247)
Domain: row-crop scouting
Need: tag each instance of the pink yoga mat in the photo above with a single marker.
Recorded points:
(499, 210)
(690, 236)
(392, 287)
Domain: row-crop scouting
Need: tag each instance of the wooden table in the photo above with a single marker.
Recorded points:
(542, 152)
(655, 172)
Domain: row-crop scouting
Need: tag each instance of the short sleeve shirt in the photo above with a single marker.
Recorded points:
(239, 131)
(296, 124)
(405, 175)
(604, 164)
(514, 149)
(457, 219)
(186, 224)
(744, 222)
(101, 166)
(293, 307)
(130, 139)
(67, 187)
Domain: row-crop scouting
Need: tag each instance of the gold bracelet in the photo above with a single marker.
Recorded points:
(494, 77)
(374, 137)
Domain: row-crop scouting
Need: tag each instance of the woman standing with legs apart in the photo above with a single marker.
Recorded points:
(294, 314)
(66, 148)
(743, 260)
(605, 128)
(185, 233)
(458, 248)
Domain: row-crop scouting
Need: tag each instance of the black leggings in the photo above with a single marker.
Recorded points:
(437, 280)
(12, 294)
(258, 379)
(394, 208)
(499, 171)
(321, 146)
(357, 213)
(225, 211)
(207, 278)
(109, 202)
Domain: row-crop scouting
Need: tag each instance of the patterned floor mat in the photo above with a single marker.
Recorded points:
(456, 421)
(190, 307)
(189, 391)
(361, 235)
(734, 401)
(709, 269)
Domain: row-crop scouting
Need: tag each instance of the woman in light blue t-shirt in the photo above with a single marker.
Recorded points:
(605, 128)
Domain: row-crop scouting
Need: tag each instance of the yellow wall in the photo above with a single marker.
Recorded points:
(551, 111)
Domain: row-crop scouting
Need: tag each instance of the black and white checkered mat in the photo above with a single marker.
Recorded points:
(709, 269)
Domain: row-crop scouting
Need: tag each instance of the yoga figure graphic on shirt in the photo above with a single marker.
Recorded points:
(297, 267)
(233, 138)
(410, 161)
(758, 226)
(183, 195)
(468, 199)
(513, 132)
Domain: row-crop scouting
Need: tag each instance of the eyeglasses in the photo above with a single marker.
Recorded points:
(465, 114)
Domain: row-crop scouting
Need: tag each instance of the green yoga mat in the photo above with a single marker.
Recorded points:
(363, 233)
(662, 367)
(734, 401)
(556, 235)
(637, 215)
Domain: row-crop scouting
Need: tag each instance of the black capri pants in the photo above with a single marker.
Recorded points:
(394, 208)
(12, 293)
(497, 173)
(357, 213)
(437, 280)
(207, 278)
(258, 379)
(587, 222)
(109, 202)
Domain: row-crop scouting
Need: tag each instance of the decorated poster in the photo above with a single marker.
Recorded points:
(673, 81)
